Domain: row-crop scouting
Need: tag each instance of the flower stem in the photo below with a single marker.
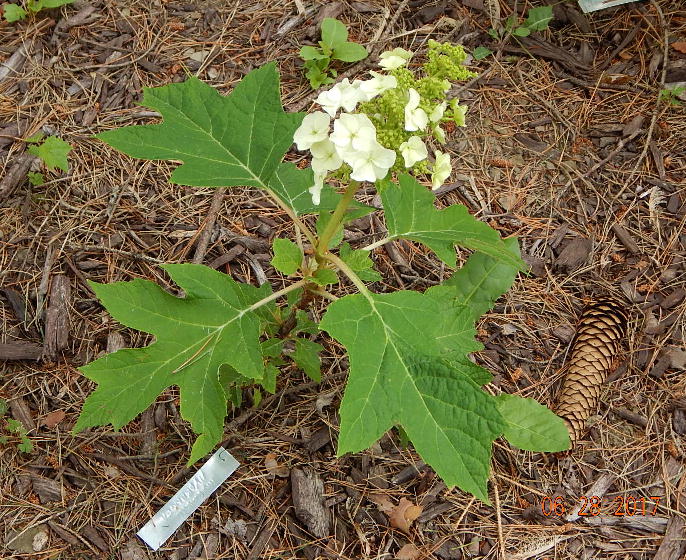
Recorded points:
(337, 217)
(291, 214)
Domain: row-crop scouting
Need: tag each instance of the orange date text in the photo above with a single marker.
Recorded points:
(591, 506)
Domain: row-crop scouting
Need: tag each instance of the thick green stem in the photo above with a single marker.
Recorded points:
(337, 218)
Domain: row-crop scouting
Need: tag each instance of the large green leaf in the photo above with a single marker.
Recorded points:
(238, 139)
(530, 425)
(397, 377)
(410, 212)
(194, 336)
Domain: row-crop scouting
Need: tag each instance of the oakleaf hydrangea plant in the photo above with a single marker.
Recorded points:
(408, 351)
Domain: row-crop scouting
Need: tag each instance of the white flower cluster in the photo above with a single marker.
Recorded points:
(353, 140)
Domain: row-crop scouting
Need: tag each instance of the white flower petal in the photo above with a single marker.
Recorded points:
(314, 128)
(325, 158)
(441, 169)
(413, 150)
(316, 189)
(437, 114)
(415, 117)
(396, 58)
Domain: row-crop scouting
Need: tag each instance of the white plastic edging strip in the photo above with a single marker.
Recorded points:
(182, 504)
(595, 5)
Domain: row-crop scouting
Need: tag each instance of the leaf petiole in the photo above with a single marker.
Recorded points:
(349, 272)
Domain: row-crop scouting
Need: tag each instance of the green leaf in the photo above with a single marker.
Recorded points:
(271, 372)
(410, 213)
(397, 377)
(13, 12)
(304, 324)
(53, 152)
(46, 4)
(481, 52)
(522, 31)
(311, 53)
(306, 357)
(334, 33)
(483, 279)
(25, 446)
(272, 348)
(360, 262)
(213, 325)
(538, 18)
(464, 297)
(238, 139)
(350, 52)
(531, 426)
(316, 75)
(287, 256)
(325, 276)
(3, 407)
(36, 179)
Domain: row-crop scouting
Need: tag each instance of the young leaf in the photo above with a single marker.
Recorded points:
(13, 12)
(304, 324)
(306, 357)
(334, 33)
(349, 52)
(272, 348)
(410, 213)
(538, 18)
(522, 31)
(358, 260)
(212, 325)
(531, 426)
(397, 377)
(481, 52)
(53, 152)
(311, 53)
(36, 179)
(271, 372)
(325, 276)
(238, 139)
(287, 256)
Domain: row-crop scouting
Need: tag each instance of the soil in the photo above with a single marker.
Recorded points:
(569, 146)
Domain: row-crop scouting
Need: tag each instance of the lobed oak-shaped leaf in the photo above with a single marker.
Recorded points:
(409, 212)
(469, 293)
(238, 139)
(397, 377)
(215, 324)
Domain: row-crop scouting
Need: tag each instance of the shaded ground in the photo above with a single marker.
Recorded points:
(567, 149)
